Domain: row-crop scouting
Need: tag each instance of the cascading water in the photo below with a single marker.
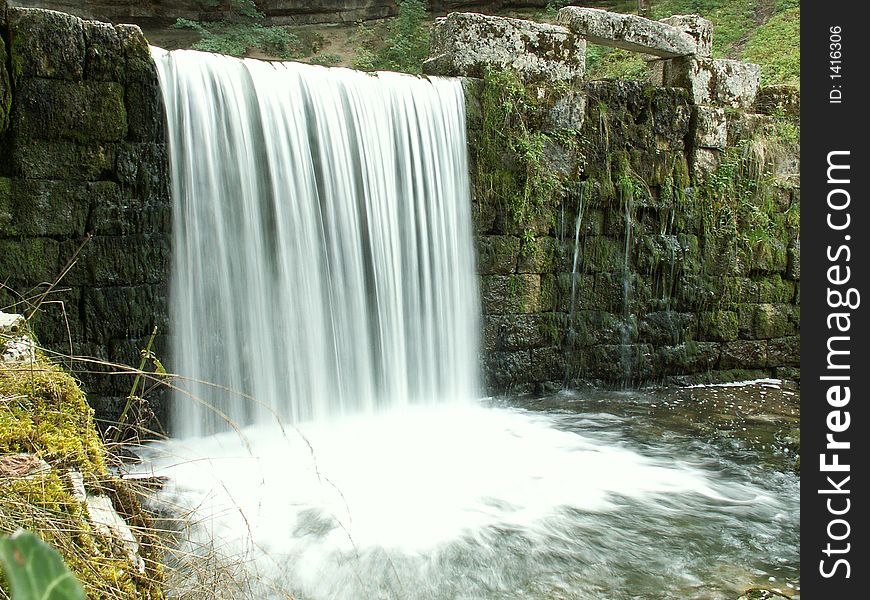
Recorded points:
(329, 269)
(325, 306)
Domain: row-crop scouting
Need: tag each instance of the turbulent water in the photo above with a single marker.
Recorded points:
(329, 445)
(323, 261)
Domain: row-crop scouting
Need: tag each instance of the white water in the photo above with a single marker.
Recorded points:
(324, 281)
(323, 261)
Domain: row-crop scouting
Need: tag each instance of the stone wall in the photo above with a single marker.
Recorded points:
(84, 196)
(628, 232)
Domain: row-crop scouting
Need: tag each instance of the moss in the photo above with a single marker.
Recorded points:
(514, 173)
(44, 412)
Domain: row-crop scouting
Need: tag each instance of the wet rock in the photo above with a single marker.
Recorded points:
(629, 32)
(60, 159)
(743, 354)
(5, 88)
(497, 254)
(106, 521)
(510, 294)
(466, 44)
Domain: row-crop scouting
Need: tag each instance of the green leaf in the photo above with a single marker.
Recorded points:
(35, 570)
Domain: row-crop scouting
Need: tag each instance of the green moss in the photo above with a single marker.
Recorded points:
(43, 412)
(514, 174)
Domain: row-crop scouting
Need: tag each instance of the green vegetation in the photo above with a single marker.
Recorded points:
(403, 47)
(513, 173)
(244, 33)
(35, 570)
(776, 46)
(238, 39)
(750, 208)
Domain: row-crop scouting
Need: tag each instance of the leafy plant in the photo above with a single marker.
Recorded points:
(35, 570)
(405, 45)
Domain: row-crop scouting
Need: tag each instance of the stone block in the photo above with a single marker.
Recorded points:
(118, 260)
(82, 111)
(7, 219)
(689, 357)
(117, 213)
(736, 83)
(124, 312)
(784, 352)
(538, 255)
(45, 43)
(510, 294)
(142, 169)
(704, 162)
(718, 326)
(506, 371)
(629, 32)
(104, 55)
(497, 254)
(743, 354)
(696, 27)
(710, 127)
(28, 261)
(601, 254)
(744, 125)
(5, 89)
(697, 75)
(667, 327)
(546, 364)
(49, 208)
(519, 332)
(61, 159)
(467, 44)
(567, 113)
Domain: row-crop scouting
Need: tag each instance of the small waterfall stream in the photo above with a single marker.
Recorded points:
(330, 443)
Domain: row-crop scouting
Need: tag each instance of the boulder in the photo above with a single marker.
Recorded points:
(467, 44)
(629, 32)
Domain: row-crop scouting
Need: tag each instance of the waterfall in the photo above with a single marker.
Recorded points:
(323, 259)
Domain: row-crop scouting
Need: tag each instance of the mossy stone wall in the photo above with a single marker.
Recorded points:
(84, 197)
(627, 237)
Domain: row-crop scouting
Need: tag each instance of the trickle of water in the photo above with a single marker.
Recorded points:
(323, 259)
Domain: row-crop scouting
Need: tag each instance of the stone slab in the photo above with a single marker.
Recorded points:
(629, 32)
(467, 44)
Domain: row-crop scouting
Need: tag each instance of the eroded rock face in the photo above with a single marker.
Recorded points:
(629, 32)
(466, 44)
